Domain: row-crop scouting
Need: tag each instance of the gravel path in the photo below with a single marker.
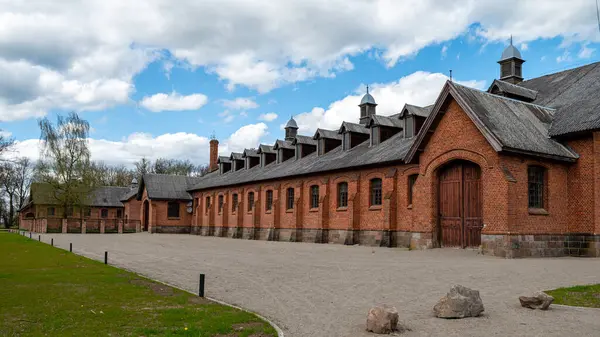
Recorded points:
(326, 290)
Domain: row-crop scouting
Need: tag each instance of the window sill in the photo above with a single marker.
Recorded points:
(538, 211)
(341, 209)
(409, 206)
(313, 210)
(289, 211)
(375, 208)
(268, 212)
(173, 218)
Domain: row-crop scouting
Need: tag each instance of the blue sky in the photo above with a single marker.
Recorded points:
(147, 96)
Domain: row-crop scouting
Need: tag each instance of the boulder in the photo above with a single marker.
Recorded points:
(460, 302)
(539, 300)
(382, 319)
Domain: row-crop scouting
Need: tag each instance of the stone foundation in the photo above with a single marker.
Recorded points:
(171, 229)
(550, 245)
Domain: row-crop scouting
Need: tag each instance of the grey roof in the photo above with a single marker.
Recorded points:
(353, 127)
(378, 120)
(166, 186)
(224, 159)
(324, 133)
(291, 124)
(367, 98)
(283, 144)
(133, 190)
(417, 110)
(513, 89)
(509, 125)
(250, 153)
(574, 94)
(391, 150)
(304, 140)
(236, 156)
(263, 148)
(108, 196)
(510, 52)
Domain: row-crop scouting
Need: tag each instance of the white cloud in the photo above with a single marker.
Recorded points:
(444, 51)
(240, 103)
(419, 88)
(586, 52)
(268, 117)
(179, 145)
(173, 102)
(92, 60)
(565, 57)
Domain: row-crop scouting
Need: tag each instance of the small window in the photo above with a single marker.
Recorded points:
(87, 212)
(51, 211)
(290, 198)
(314, 196)
(104, 213)
(207, 203)
(342, 194)
(69, 211)
(269, 203)
(234, 202)
(250, 201)
(375, 191)
(119, 213)
(536, 176)
(221, 203)
(173, 209)
(411, 184)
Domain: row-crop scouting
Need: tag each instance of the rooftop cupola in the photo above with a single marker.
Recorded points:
(367, 107)
(511, 64)
(291, 129)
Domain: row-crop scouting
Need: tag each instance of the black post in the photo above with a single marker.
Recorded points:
(39, 238)
(105, 257)
(201, 286)
(30, 235)
(52, 242)
(71, 247)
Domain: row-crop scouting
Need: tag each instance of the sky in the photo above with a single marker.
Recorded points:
(158, 78)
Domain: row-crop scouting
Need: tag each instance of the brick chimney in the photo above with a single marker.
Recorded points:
(214, 154)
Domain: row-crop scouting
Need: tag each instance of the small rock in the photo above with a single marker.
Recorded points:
(460, 302)
(539, 300)
(382, 319)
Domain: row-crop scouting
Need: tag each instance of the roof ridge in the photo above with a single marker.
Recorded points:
(595, 64)
(502, 97)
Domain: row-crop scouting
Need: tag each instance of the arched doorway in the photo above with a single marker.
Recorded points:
(460, 204)
(146, 215)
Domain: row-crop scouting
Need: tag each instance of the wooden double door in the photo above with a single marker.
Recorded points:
(460, 205)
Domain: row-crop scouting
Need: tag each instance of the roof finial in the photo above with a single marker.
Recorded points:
(450, 75)
(511, 39)
(213, 135)
(367, 88)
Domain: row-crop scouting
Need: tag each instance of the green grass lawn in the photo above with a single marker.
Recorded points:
(580, 296)
(46, 291)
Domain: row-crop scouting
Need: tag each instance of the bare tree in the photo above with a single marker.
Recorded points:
(66, 163)
(142, 167)
(15, 179)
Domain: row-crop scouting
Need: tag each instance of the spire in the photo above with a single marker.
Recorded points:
(510, 64)
(367, 107)
(291, 129)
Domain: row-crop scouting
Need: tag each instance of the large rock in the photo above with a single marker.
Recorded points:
(382, 319)
(539, 300)
(460, 302)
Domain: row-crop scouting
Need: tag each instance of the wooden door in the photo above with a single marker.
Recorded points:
(146, 215)
(460, 215)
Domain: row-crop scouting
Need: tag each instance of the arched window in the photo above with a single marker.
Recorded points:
(342, 194)
(234, 202)
(290, 198)
(314, 196)
(250, 201)
(220, 203)
(536, 181)
(375, 192)
(412, 179)
(207, 204)
(269, 201)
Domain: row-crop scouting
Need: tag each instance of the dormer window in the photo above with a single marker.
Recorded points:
(353, 135)
(224, 165)
(304, 146)
(237, 161)
(251, 158)
(285, 150)
(327, 140)
(267, 155)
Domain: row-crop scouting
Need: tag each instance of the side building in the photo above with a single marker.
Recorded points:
(513, 170)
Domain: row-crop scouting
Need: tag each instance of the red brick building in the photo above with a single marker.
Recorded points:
(514, 170)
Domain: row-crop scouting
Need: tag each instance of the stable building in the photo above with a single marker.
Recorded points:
(512, 171)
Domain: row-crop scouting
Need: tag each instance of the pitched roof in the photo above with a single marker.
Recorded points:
(224, 159)
(104, 196)
(250, 153)
(166, 186)
(236, 156)
(414, 110)
(131, 193)
(574, 95)
(283, 144)
(378, 120)
(391, 150)
(513, 89)
(508, 125)
(324, 133)
(263, 148)
(353, 127)
(304, 140)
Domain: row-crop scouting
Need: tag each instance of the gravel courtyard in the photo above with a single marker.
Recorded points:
(326, 290)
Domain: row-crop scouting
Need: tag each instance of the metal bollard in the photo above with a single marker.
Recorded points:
(105, 257)
(52, 242)
(201, 286)
(71, 247)
(39, 238)
(30, 235)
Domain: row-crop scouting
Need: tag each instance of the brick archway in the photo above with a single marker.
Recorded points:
(460, 205)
